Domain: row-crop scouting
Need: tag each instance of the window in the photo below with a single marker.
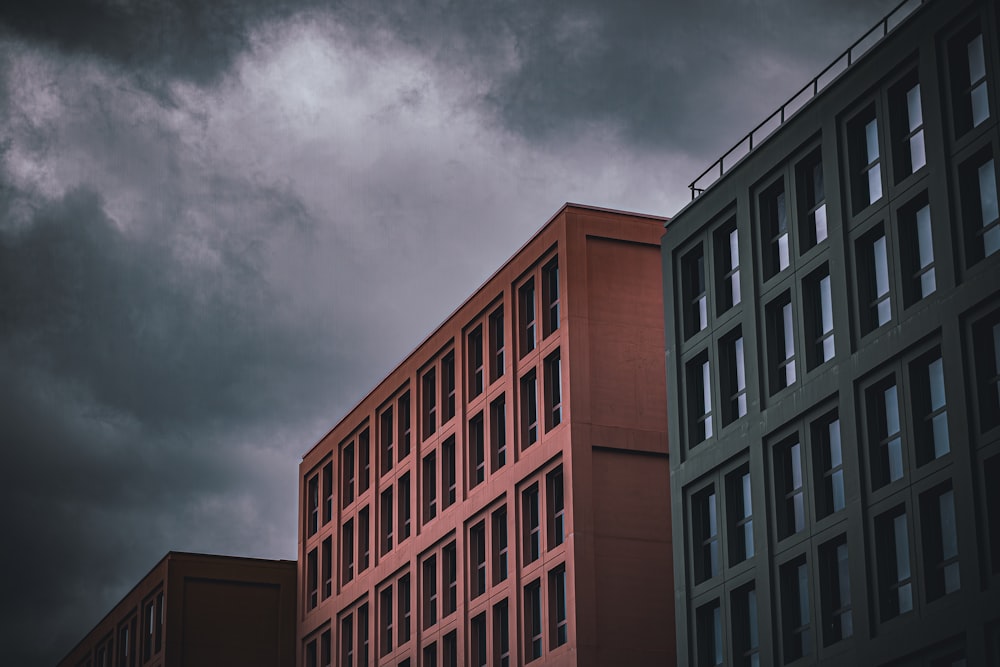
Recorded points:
(978, 187)
(347, 473)
(159, 623)
(126, 638)
(477, 556)
(533, 621)
(795, 622)
(930, 414)
(781, 336)
(324, 649)
(893, 550)
(530, 524)
(447, 387)
(553, 391)
(386, 520)
(790, 492)
(812, 201)
(475, 351)
(499, 545)
(430, 591)
(363, 634)
(819, 318)
(429, 393)
(501, 634)
(529, 410)
(884, 434)
(526, 307)
(450, 564)
(970, 99)
(385, 621)
(403, 596)
(695, 316)
(558, 632)
(556, 507)
(740, 516)
(907, 126)
(835, 591)
(430, 655)
(746, 631)
(477, 451)
(986, 352)
(496, 344)
(430, 487)
(940, 541)
(865, 160)
(450, 646)
(727, 260)
(403, 407)
(876, 304)
(347, 641)
(404, 506)
(704, 521)
(699, 399)
(498, 432)
(448, 473)
(327, 567)
(148, 627)
(917, 251)
(828, 459)
(774, 228)
(708, 629)
(364, 461)
(478, 652)
(347, 551)
(327, 493)
(363, 541)
(550, 297)
(386, 455)
(313, 496)
(733, 377)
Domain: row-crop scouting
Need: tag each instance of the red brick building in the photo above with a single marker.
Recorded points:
(502, 497)
(195, 610)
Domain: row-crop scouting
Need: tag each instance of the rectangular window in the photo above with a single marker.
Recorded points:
(385, 432)
(774, 228)
(930, 412)
(533, 621)
(553, 391)
(694, 294)
(312, 576)
(478, 652)
(448, 473)
(550, 297)
(746, 631)
(475, 351)
(347, 473)
(347, 551)
(708, 628)
(970, 100)
(430, 596)
(430, 655)
(327, 567)
(699, 399)
(978, 183)
(917, 251)
(403, 407)
(447, 387)
(496, 344)
(403, 597)
(835, 591)
(325, 649)
(498, 432)
(781, 334)
(531, 524)
(404, 506)
(812, 201)
(740, 516)
(986, 352)
(559, 629)
(885, 440)
(893, 550)
(363, 634)
(477, 451)
(477, 558)
(907, 126)
(347, 641)
(873, 258)
(727, 261)
(526, 312)
(499, 545)
(734, 381)
(313, 498)
(529, 410)
(430, 487)
(501, 634)
(865, 160)
(159, 622)
(795, 621)
(364, 461)
(148, 612)
(429, 393)
(705, 534)
(940, 541)
(819, 318)
(556, 506)
(450, 649)
(328, 493)
(450, 564)
(791, 491)
(363, 541)
(386, 520)
(385, 621)
(828, 459)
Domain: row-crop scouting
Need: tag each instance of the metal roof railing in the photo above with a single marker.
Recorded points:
(805, 95)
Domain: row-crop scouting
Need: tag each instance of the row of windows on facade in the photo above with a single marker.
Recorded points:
(488, 632)
(481, 557)
(136, 645)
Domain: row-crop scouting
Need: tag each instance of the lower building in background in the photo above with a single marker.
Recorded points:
(199, 610)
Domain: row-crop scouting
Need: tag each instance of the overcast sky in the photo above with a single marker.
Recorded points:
(222, 223)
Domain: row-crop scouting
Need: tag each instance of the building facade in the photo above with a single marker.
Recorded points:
(833, 346)
(500, 498)
(198, 610)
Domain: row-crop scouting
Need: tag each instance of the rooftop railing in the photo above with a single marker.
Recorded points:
(805, 95)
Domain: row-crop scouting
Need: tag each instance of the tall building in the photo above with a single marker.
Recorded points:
(500, 498)
(833, 364)
(196, 610)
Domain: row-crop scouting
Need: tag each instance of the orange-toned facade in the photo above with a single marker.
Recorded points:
(196, 610)
(502, 497)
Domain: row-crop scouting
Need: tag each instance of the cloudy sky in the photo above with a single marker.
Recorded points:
(221, 223)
